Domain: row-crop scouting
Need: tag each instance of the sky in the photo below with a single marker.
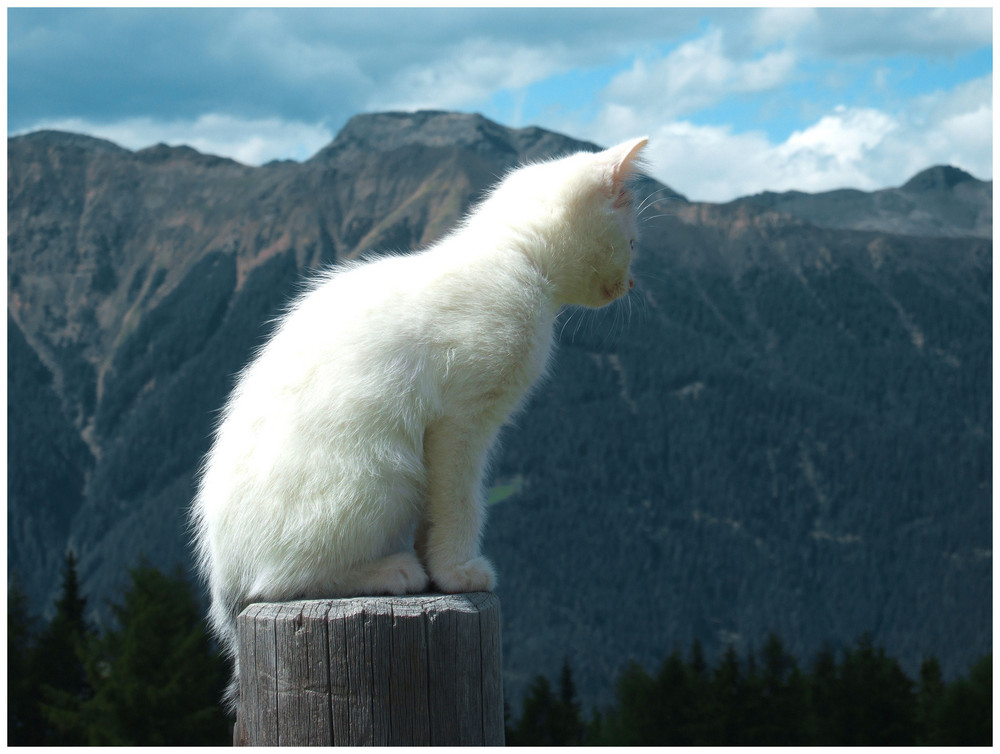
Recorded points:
(735, 100)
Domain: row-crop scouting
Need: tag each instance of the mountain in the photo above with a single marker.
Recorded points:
(939, 201)
(785, 426)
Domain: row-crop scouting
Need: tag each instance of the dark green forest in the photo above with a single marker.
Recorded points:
(154, 678)
(858, 697)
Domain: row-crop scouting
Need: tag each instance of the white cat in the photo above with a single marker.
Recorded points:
(350, 457)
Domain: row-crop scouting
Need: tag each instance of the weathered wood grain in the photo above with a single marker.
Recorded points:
(417, 670)
(303, 670)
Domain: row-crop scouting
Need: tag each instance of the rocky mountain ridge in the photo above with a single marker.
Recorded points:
(791, 431)
(939, 201)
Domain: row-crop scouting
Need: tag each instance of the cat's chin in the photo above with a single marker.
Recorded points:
(614, 291)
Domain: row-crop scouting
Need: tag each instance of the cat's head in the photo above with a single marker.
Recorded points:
(587, 216)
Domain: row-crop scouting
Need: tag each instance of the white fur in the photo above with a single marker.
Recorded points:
(350, 456)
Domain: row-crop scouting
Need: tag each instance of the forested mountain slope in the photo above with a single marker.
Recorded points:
(785, 426)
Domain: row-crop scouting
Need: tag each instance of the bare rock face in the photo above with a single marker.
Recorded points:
(388, 132)
(786, 426)
(941, 201)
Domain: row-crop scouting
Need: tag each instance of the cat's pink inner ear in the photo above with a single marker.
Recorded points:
(627, 160)
(623, 160)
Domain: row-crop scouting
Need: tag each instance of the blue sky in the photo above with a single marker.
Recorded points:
(735, 100)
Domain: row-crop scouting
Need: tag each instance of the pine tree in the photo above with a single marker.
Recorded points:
(783, 705)
(930, 695)
(966, 711)
(875, 699)
(821, 688)
(57, 660)
(675, 708)
(698, 664)
(728, 706)
(547, 719)
(638, 719)
(24, 722)
(156, 678)
(535, 726)
(569, 727)
(697, 704)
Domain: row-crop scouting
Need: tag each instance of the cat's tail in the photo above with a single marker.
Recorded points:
(231, 696)
(224, 602)
(222, 618)
(224, 606)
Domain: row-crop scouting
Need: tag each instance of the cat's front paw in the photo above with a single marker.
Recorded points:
(396, 574)
(403, 574)
(475, 575)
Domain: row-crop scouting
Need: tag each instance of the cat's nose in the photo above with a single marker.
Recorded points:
(631, 282)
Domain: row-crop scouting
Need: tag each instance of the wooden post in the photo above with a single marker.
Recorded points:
(417, 670)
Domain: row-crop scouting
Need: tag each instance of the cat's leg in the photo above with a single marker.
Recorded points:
(448, 539)
(400, 573)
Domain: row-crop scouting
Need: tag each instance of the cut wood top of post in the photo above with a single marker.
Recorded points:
(469, 602)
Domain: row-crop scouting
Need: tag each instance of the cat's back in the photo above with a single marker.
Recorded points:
(457, 291)
(453, 321)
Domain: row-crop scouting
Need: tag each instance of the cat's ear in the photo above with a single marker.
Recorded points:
(621, 162)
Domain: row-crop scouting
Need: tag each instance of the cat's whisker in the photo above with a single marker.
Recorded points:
(566, 322)
(650, 202)
(610, 335)
(647, 275)
(643, 217)
(578, 323)
(654, 217)
(649, 199)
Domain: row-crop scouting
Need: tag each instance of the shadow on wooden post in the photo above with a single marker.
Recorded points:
(417, 670)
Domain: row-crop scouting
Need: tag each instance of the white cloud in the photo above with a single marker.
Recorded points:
(263, 39)
(849, 147)
(715, 163)
(834, 152)
(771, 26)
(697, 75)
(250, 141)
(947, 127)
(469, 74)
(866, 32)
(969, 137)
(854, 146)
(709, 163)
